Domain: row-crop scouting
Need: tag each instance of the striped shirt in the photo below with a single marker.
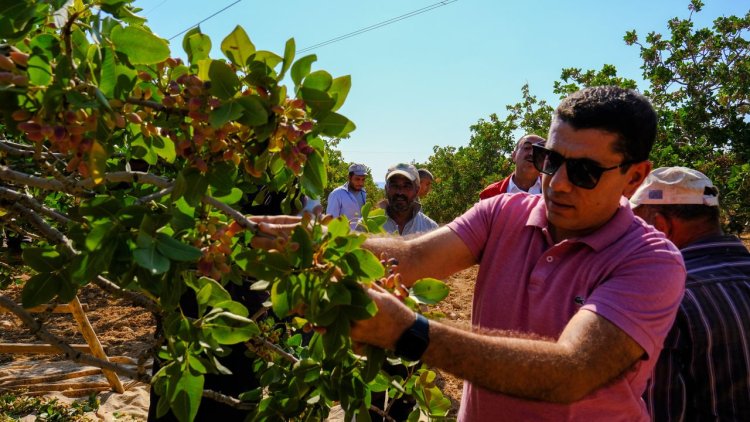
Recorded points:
(703, 372)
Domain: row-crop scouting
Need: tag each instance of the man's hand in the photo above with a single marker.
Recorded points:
(391, 320)
(273, 231)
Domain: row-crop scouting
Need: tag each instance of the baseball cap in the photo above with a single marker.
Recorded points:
(424, 173)
(676, 186)
(358, 169)
(406, 170)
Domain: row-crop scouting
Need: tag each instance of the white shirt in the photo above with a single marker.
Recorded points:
(535, 189)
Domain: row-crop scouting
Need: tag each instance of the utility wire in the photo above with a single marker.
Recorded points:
(378, 25)
(155, 7)
(205, 19)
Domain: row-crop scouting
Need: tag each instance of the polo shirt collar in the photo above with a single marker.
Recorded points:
(617, 226)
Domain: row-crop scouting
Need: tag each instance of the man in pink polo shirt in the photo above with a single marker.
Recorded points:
(574, 295)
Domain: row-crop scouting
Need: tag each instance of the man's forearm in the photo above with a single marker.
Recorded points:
(437, 254)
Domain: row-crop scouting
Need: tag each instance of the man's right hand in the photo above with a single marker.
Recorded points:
(273, 231)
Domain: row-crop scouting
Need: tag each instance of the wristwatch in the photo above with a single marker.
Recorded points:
(414, 341)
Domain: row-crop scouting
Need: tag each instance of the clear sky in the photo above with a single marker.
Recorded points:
(422, 81)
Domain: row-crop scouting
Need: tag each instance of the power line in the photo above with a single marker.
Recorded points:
(205, 19)
(155, 7)
(379, 25)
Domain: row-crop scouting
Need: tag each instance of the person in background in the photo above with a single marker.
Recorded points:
(405, 216)
(568, 316)
(703, 373)
(425, 182)
(525, 177)
(349, 198)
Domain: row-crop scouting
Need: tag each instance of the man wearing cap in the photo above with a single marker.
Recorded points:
(425, 182)
(703, 372)
(349, 198)
(525, 178)
(402, 185)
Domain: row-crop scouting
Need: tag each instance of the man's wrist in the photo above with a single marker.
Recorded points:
(413, 342)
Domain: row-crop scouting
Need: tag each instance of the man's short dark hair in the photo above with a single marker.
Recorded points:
(624, 112)
(687, 212)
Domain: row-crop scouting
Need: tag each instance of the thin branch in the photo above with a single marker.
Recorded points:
(32, 203)
(228, 400)
(155, 195)
(45, 229)
(20, 150)
(136, 298)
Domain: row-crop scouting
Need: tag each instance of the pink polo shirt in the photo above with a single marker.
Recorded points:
(626, 272)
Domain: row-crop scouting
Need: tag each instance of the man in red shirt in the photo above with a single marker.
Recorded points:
(525, 178)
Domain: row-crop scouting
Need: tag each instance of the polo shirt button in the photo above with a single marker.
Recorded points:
(550, 258)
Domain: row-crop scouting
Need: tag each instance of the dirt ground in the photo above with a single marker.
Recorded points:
(126, 330)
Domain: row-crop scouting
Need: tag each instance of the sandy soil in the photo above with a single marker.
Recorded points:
(126, 330)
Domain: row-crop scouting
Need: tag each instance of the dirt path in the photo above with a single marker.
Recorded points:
(126, 330)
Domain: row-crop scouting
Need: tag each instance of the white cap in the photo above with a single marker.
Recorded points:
(676, 186)
(406, 170)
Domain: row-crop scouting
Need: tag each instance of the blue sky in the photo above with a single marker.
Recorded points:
(424, 80)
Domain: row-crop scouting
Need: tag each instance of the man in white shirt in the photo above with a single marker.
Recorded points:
(525, 178)
(349, 198)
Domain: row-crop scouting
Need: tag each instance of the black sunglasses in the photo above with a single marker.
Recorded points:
(582, 172)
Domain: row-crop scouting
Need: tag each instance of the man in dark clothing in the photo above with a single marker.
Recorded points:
(704, 368)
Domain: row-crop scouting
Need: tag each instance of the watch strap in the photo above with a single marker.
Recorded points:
(414, 341)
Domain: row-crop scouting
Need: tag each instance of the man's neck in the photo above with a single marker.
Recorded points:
(523, 183)
(401, 217)
(694, 231)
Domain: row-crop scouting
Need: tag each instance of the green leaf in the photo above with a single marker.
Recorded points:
(320, 102)
(187, 396)
(196, 187)
(225, 113)
(232, 197)
(40, 71)
(375, 359)
(301, 68)
(150, 259)
(176, 250)
(281, 298)
(289, 50)
(210, 293)
(224, 82)
(429, 290)
(237, 46)
(365, 264)
(254, 111)
(335, 125)
(314, 177)
(40, 289)
(139, 45)
(221, 176)
(98, 234)
(43, 260)
(196, 45)
(340, 90)
(164, 148)
(228, 328)
(319, 80)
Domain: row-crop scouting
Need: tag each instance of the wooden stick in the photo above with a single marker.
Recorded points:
(93, 341)
(39, 348)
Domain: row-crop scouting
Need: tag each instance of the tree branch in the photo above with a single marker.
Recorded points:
(32, 203)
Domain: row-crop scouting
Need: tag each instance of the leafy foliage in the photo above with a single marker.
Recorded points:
(131, 169)
(463, 172)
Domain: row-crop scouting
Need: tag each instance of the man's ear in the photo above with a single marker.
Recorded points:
(663, 224)
(637, 174)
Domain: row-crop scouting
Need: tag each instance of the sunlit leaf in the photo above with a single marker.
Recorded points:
(429, 290)
(97, 162)
(237, 46)
(139, 45)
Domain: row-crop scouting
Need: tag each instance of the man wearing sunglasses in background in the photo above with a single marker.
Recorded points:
(525, 177)
(574, 295)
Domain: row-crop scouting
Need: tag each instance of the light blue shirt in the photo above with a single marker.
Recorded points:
(419, 223)
(343, 201)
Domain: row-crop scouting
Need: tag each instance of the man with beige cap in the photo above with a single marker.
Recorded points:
(405, 216)
(704, 368)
